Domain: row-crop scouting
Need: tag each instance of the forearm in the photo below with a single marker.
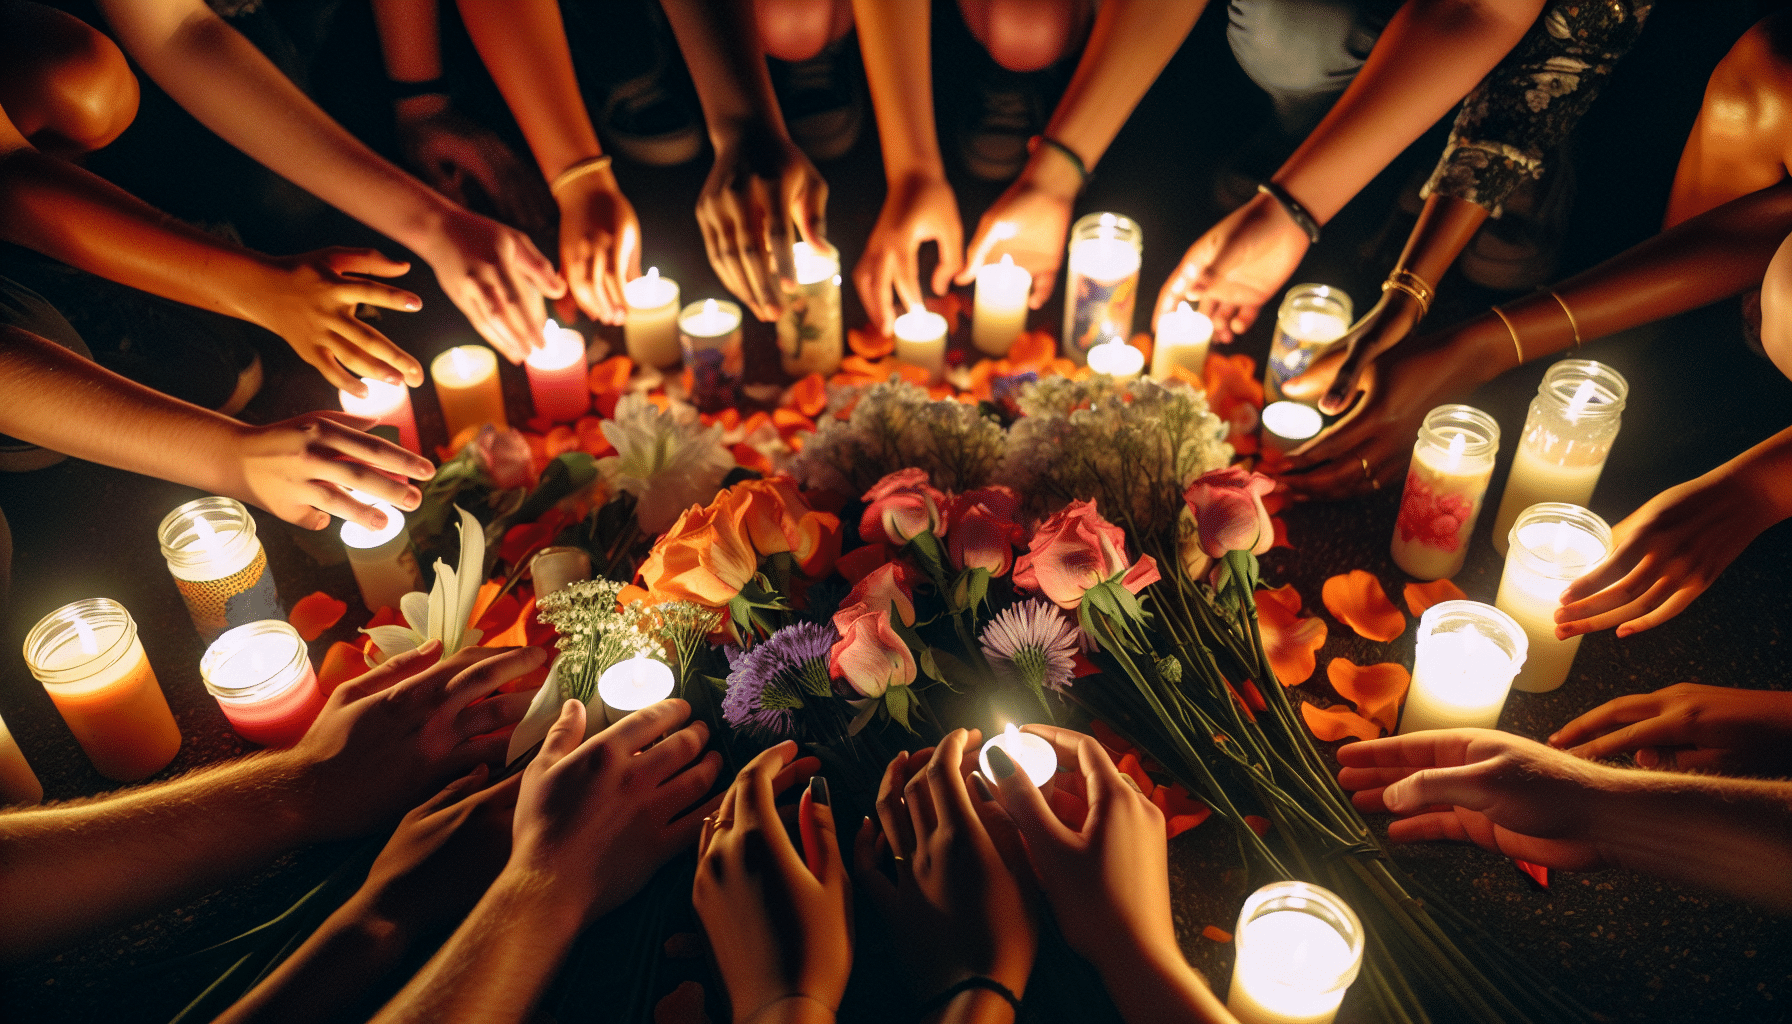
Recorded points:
(1731, 835)
(1128, 46)
(1153, 986)
(350, 951)
(524, 47)
(410, 39)
(896, 46)
(720, 41)
(1762, 479)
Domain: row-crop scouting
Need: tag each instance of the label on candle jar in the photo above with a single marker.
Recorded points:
(235, 600)
(1103, 311)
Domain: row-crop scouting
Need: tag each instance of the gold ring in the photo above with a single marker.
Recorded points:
(899, 857)
(1366, 474)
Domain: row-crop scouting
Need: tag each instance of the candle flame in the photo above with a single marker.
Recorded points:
(1108, 220)
(463, 366)
(1457, 444)
(709, 306)
(1578, 404)
(1007, 260)
(203, 532)
(84, 634)
(653, 273)
(1184, 309)
(1010, 732)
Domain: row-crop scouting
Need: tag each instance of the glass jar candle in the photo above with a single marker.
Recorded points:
(261, 676)
(1451, 464)
(556, 568)
(709, 333)
(1285, 426)
(219, 565)
(1467, 654)
(557, 383)
(1105, 252)
(999, 311)
(384, 563)
(1567, 434)
(651, 327)
(467, 384)
(1550, 546)
(388, 405)
(1298, 947)
(89, 659)
(1311, 317)
(810, 336)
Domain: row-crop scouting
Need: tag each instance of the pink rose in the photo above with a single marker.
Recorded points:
(504, 456)
(1075, 550)
(871, 657)
(983, 538)
(1002, 501)
(892, 583)
(1228, 507)
(901, 507)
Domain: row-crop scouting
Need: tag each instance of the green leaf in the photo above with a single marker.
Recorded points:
(899, 699)
(566, 474)
(925, 548)
(924, 658)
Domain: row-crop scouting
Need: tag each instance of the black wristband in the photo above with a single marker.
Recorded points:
(974, 981)
(396, 90)
(1290, 205)
(1076, 161)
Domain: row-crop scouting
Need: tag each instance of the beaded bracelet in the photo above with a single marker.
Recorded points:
(1076, 161)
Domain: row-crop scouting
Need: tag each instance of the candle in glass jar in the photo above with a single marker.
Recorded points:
(218, 565)
(388, 405)
(709, 332)
(90, 660)
(1451, 464)
(1105, 254)
(810, 337)
(631, 685)
(1298, 948)
(1311, 318)
(1183, 336)
(651, 329)
(999, 312)
(1117, 359)
(466, 379)
(557, 568)
(1467, 654)
(18, 783)
(1034, 754)
(1286, 425)
(383, 561)
(261, 676)
(557, 375)
(1568, 433)
(1551, 545)
(921, 340)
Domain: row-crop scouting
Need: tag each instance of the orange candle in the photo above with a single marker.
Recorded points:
(90, 660)
(467, 383)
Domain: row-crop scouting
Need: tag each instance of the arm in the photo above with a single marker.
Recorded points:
(1738, 143)
(1689, 727)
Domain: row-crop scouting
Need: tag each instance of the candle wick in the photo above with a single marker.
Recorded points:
(89, 645)
(1578, 404)
(1457, 444)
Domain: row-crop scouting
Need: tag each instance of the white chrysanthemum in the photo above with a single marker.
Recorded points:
(667, 459)
(1036, 640)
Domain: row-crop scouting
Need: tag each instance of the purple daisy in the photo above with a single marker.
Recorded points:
(767, 684)
(1035, 641)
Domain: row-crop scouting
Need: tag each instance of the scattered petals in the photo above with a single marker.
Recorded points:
(1376, 690)
(1071, 808)
(1291, 641)
(1181, 811)
(809, 396)
(1335, 723)
(1129, 765)
(1420, 596)
(1357, 600)
(1538, 872)
(1213, 934)
(341, 663)
(314, 613)
(1257, 824)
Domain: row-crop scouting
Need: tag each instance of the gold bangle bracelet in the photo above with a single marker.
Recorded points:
(1573, 325)
(1516, 347)
(578, 169)
(1392, 284)
(1413, 285)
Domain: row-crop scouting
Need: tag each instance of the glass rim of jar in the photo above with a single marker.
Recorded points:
(1481, 433)
(1314, 292)
(1564, 378)
(695, 308)
(58, 628)
(231, 524)
(1306, 898)
(1558, 512)
(559, 549)
(1125, 228)
(278, 679)
(1475, 615)
(445, 358)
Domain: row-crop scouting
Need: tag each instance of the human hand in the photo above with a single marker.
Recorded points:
(303, 468)
(779, 923)
(1029, 222)
(596, 819)
(1237, 266)
(495, 276)
(1388, 322)
(600, 243)
(757, 188)
(310, 302)
(958, 909)
(916, 211)
(444, 854)
(1502, 792)
(464, 160)
(1689, 727)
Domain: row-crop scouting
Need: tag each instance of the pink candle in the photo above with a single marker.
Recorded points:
(389, 405)
(261, 676)
(557, 375)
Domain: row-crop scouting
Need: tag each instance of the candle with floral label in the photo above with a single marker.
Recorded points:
(709, 332)
(1298, 948)
(1467, 654)
(388, 405)
(90, 660)
(921, 340)
(999, 312)
(218, 565)
(810, 337)
(1183, 337)
(556, 372)
(1451, 464)
(631, 685)
(1551, 545)
(466, 379)
(1034, 754)
(261, 676)
(1105, 254)
(651, 329)
(1568, 433)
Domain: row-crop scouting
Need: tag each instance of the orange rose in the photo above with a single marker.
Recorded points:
(890, 584)
(703, 558)
(774, 517)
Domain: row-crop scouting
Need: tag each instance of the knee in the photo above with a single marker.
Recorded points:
(74, 91)
(1028, 35)
(797, 30)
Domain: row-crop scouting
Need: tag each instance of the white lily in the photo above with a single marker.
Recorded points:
(441, 614)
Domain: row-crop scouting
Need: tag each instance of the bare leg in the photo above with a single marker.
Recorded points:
(1026, 35)
(65, 86)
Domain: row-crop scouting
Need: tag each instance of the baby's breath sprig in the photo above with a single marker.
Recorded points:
(595, 632)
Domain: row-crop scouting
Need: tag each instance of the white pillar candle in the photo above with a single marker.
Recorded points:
(1286, 425)
(556, 370)
(1117, 359)
(557, 568)
(1103, 282)
(810, 336)
(1311, 317)
(631, 685)
(651, 329)
(709, 333)
(1567, 435)
(1467, 654)
(921, 340)
(1550, 546)
(999, 312)
(466, 379)
(218, 565)
(384, 563)
(1298, 949)
(1034, 754)
(261, 676)
(388, 405)
(18, 783)
(1451, 464)
(1182, 339)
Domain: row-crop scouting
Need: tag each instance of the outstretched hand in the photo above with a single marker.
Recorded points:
(303, 469)
(1387, 323)
(915, 212)
(757, 189)
(312, 306)
(495, 276)
(1029, 222)
(444, 854)
(1688, 726)
(600, 243)
(1236, 267)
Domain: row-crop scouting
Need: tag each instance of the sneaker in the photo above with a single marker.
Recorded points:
(1519, 250)
(649, 123)
(822, 103)
(993, 137)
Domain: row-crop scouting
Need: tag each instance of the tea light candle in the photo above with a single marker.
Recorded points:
(388, 405)
(1567, 435)
(631, 685)
(1468, 653)
(1311, 317)
(999, 312)
(557, 375)
(1298, 949)
(1452, 461)
(261, 676)
(556, 568)
(921, 340)
(89, 659)
(1183, 336)
(709, 333)
(1035, 755)
(1286, 425)
(1117, 359)
(466, 379)
(651, 329)
(218, 565)
(1551, 545)
(383, 561)
(810, 338)
(1105, 254)
(18, 783)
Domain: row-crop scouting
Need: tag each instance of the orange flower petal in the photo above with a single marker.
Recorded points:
(516, 632)
(1420, 596)
(1257, 824)
(314, 613)
(1284, 597)
(341, 663)
(559, 441)
(1538, 872)
(1376, 690)
(871, 346)
(610, 376)
(1357, 600)
(1070, 808)
(488, 592)
(499, 615)
(386, 616)
(749, 457)
(1335, 723)
(1181, 811)
(790, 421)
(1129, 765)
(858, 563)
(592, 442)
(1292, 642)
(1033, 349)
(1108, 738)
(809, 396)
(1213, 934)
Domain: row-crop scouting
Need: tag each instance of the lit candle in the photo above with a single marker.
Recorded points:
(1182, 339)
(999, 312)
(18, 783)
(557, 568)
(651, 329)
(1451, 464)
(1467, 654)
(218, 565)
(1311, 317)
(631, 685)
(709, 333)
(921, 340)
(557, 375)
(1117, 359)
(1567, 434)
(1287, 424)
(1035, 754)
(89, 659)
(261, 676)
(1551, 545)
(1105, 252)
(384, 563)
(809, 333)
(466, 378)
(388, 405)
(1298, 949)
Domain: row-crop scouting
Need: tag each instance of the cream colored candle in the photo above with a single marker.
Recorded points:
(1551, 545)
(1568, 433)
(1183, 336)
(999, 313)
(1452, 462)
(557, 382)
(387, 405)
(1117, 359)
(810, 336)
(1034, 754)
(631, 685)
(1467, 654)
(651, 329)
(709, 333)
(1298, 948)
(18, 783)
(90, 660)
(1102, 284)
(383, 561)
(921, 340)
(556, 568)
(1286, 425)
(466, 379)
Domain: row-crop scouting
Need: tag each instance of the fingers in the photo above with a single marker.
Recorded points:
(350, 439)
(685, 788)
(368, 261)
(1458, 786)
(1650, 732)
(872, 278)
(947, 794)
(891, 812)
(917, 798)
(756, 805)
(1634, 707)
(950, 243)
(806, 202)
(563, 737)
(1026, 804)
(992, 230)
(536, 270)
(821, 846)
(580, 265)
(639, 728)
(490, 671)
(452, 793)
(391, 672)
(495, 712)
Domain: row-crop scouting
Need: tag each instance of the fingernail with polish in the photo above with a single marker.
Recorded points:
(982, 786)
(818, 791)
(1000, 762)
